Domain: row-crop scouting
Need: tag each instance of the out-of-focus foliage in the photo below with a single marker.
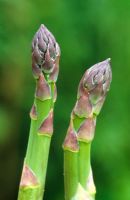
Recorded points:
(88, 31)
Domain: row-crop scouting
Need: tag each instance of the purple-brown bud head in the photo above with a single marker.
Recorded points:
(45, 52)
(97, 79)
(96, 83)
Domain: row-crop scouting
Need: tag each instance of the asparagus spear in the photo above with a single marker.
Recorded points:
(92, 91)
(45, 68)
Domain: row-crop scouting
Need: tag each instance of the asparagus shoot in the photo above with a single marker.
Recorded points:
(45, 68)
(92, 91)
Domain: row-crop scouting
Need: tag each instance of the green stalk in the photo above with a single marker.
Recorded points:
(91, 95)
(71, 149)
(84, 162)
(37, 157)
(70, 173)
(45, 60)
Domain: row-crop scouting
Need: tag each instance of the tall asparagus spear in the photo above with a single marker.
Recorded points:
(45, 67)
(92, 91)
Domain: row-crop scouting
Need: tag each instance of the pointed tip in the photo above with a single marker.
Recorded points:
(108, 59)
(42, 26)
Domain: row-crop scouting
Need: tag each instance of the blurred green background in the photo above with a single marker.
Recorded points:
(88, 31)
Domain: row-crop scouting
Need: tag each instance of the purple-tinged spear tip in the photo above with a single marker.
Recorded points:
(45, 52)
(98, 75)
(96, 83)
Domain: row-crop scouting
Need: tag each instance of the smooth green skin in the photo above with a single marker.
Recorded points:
(29, 193)
(70, 173)
(84, 162)
(37, 151)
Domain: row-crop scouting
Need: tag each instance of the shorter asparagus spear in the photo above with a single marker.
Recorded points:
(92, 91)
(45, 67)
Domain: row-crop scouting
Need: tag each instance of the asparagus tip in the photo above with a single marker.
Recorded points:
(95, 84)
(45, 52)
(99, 73)
(108, 59)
